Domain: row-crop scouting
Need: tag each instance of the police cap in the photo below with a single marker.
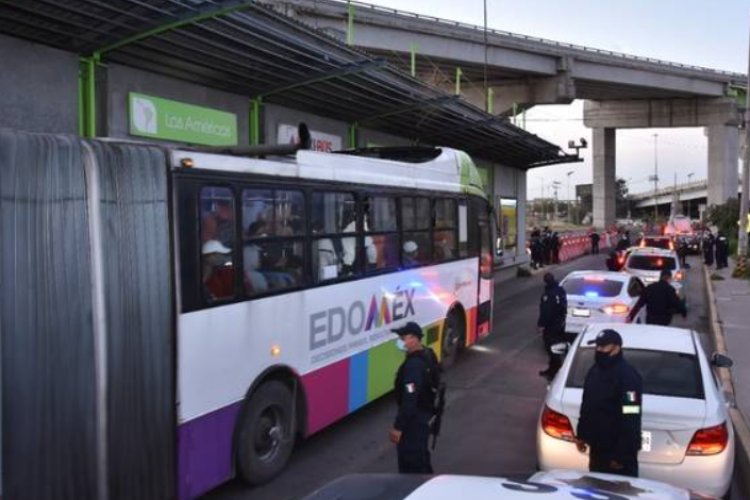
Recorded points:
(607, 337)
(410, 328)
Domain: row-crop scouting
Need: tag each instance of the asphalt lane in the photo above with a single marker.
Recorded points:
(493, 401)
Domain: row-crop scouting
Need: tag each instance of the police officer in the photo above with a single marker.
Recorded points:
(722, 250)
(661, 301)
(415, 399)
(610, 419)
(708, 248)
(594, 242)
(553, 309)
(624, 242)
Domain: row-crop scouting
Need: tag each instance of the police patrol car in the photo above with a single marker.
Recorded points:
(553, 484)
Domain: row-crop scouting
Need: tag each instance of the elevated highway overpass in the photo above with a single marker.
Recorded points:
(621, 90)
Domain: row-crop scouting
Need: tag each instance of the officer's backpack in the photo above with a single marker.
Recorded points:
(433, 372)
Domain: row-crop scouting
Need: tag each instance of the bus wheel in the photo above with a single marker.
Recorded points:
(452, 335)
(265, 436)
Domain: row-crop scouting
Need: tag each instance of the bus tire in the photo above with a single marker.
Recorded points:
(265, 436)
(453, 334)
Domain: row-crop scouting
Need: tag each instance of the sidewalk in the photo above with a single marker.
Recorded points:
(729, 303)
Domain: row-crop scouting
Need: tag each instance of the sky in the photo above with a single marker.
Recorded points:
(709, 33)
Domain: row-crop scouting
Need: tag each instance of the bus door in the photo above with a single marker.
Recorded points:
(486, 281)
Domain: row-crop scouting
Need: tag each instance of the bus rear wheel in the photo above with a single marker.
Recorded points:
(453, 334)
(265, 437)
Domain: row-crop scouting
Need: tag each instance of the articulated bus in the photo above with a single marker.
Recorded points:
(172, 318)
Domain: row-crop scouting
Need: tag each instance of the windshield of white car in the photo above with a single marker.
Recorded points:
(651, 263)
(592, 288)
(664, 373)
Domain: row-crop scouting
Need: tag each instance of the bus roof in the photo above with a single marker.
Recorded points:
(450, 171)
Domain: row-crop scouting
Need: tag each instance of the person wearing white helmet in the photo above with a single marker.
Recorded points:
(411, 249)
(218, 272)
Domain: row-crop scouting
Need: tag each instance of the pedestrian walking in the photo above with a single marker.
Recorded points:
(594, 242)
(610, 418)
(708, 248)
(722, 250)
(415, 393)
(624, 242)
(556, 248)
(661, 301)
(682, 251)
(553, 309)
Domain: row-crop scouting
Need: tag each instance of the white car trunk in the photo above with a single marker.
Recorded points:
(668, 424)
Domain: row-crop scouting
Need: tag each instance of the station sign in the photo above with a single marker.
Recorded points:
(158, 118)
(287, 134)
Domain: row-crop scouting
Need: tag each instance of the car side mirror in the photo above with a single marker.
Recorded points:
(561, 348)
(721, 361)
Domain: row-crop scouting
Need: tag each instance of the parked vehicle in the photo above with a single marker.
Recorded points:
(554, 484)
(597, 297)
(688, 438)
(647, 264)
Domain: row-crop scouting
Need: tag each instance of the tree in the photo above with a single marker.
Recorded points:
(621, 198)
(724, 217)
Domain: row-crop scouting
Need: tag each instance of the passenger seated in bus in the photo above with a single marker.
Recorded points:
(219, 224)
(411, 249)
(255, 280)
(350, 247)
(218, 271)
(326, 259)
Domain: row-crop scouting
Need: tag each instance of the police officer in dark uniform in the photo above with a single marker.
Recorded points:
(661, 302)
(610, 419)
(722, 250)
(594, 242)
(708, 248)
(553, 309)
(624, 242)
(415, 398)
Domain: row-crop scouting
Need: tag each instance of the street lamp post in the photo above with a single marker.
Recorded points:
(568, 204)
(689, 176)
(655, 178)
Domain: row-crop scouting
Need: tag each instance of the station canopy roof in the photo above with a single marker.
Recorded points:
(248, 48)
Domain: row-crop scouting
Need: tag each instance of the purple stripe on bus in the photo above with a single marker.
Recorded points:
(205, 451)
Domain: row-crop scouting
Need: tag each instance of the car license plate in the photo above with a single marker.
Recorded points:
(581, 313)
(645, 441)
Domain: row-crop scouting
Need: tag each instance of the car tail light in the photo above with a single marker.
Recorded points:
(557, 425)
(679, 276)
(616, 309)
(709, 441)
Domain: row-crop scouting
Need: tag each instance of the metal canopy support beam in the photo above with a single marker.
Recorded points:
(255, 106)
(345, 70)
(433, 101)
(352, 135)
(202, 15)
(87, 96)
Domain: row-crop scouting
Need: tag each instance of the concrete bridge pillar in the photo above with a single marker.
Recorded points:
(723, 163)
(604, 176)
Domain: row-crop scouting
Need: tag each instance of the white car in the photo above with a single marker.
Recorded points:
(548, 485)
(688, 439)
(600, 297)
(647, 264)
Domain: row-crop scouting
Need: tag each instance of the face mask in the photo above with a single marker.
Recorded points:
(603, 359)
(400, 345)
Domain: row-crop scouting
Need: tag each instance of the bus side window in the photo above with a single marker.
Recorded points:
(273, 222)
(416, 242)
(444, 233)
(381, 233)
(334, 243)
(217, 243)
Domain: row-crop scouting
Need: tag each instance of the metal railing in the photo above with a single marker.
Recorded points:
(740, 78)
